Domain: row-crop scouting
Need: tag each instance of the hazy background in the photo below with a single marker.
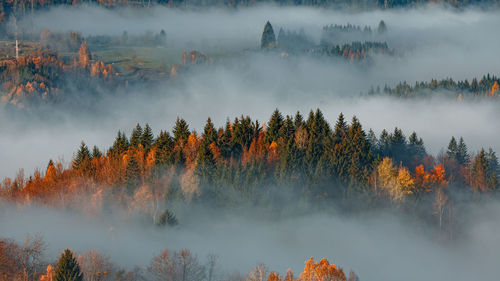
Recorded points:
(442, 43)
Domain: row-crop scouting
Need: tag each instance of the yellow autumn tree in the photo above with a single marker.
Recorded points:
(397, 183)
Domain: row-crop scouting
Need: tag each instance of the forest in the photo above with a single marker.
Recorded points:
(249, 140)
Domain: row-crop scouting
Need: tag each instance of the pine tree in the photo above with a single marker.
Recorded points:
(287, 131)
(164, 147)
(147, 137)
(132, 174)
(372, 139)
(135, 138)
(384, 143)
(340, 129)
(209, 133)
(120, 145)
(96, 153)
(205, 164)
(67, 268)
(298, 121)
(225, 141)
(462, 154)
(382, 28)
(181, 131)
(493, 170)
(452, 151)
(359, 152)
(268, 39)
(82, 158)
(398, 147)
(416, 149)
(274, 126)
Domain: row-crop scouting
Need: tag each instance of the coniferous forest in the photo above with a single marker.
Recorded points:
(249, 140)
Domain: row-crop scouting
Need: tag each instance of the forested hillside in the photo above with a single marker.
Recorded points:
(289, 158)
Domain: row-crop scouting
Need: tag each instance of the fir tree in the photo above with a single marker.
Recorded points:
(181, 131)
(268, 39)
(164, 147)
(340, 129)
(120, 145)
(147, 137)
(67, 268)
(398, 147)
(135, 138)
(462, 154)
(274, 126)
(298, 121)
(382, 28)
(82, 158)
(167, 218)
(225, 141)
(452, 151)
(205, 164)
(132, 174)
(209, 134)
(287, 131)
(96, 153)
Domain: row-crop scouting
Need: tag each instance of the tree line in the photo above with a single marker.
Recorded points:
(487, 86)
(290, 158)
(28, 262)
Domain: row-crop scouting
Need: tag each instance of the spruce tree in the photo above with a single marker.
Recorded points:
(398, 147)
(147, 137)
(132, 174)
(462, 154)
(340, 129)
(372, 139)
(82, 158)
(274, 126)
(382, 28)
(120, 145)
(268, 39)
(416, 149)
(205, 164)
(298, 121)
(181, 131)
(225, 141)
(384, 143)
(287, 131)
(209, 133)
(96, 153)
(164, 147)
(452, 151)
(67, 268)
(135, 138)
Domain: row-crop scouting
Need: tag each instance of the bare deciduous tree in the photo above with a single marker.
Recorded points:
(95, 267)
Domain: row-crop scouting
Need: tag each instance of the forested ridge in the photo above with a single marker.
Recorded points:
(288, 158)
(487, 86)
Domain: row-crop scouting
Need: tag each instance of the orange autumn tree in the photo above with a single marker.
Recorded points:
(322, 271)
(273, 276)
(427, 181)
(49, 276)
